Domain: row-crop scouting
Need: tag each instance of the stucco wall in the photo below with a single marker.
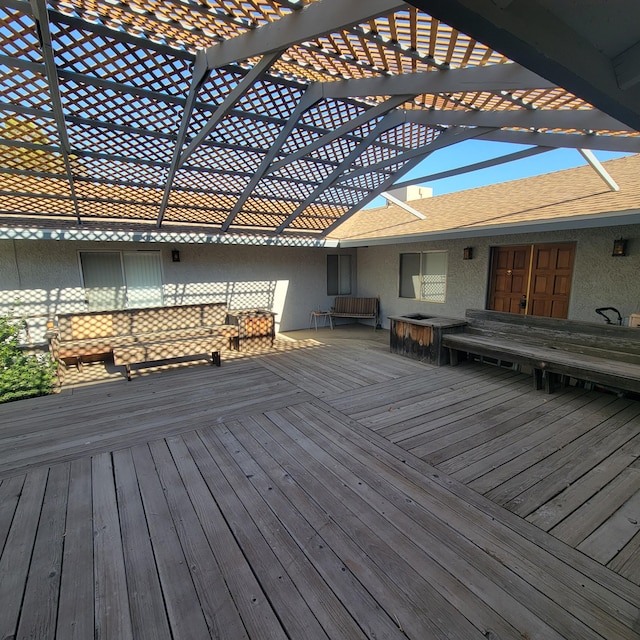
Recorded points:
(42, 278)
(599, 280)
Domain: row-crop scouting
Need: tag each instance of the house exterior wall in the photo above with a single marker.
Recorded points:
(40, 278)
(599, 280)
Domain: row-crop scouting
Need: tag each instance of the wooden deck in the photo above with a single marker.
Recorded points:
(327, 489)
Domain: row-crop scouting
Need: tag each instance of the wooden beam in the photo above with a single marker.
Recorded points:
(533, 36)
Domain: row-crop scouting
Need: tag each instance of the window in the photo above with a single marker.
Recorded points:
(119, 279)
(338, 275)
(423, 276)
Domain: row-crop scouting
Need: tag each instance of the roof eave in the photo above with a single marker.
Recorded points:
(558, 224)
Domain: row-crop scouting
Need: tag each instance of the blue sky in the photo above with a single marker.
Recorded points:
(472, 151)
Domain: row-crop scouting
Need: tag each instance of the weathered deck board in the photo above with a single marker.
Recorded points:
(374, 403)
(447, 437)
(424, 474)
(613, 534)
(268, 499)
(480, 458)
(217, 603)
(533, 453)
(112, 614)
(121, 400)
(545, 478)
(369, 552)
(399, 551)
(41, 595)
(271, 557)
(335, 597)
(535, 446)
(584, 457)
(474, 523)
(184, 610)
(146, 602)
(627, 562)
(612, 475)
(76, 604)
(118, 415)
(441, 407)
(259, 619)
(9, 493)
(16, 553)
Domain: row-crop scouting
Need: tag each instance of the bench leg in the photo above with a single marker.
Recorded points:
(127, 368)
(453, 357)
(215, 359)
(537, 379)
(544, 378)
(549, 381)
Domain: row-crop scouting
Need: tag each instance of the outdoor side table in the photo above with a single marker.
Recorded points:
(313, 319)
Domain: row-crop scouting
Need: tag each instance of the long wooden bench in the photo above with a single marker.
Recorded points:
(552, 349)
(357, 308)
(95, 335)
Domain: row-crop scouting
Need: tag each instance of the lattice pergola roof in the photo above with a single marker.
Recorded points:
(242, 116)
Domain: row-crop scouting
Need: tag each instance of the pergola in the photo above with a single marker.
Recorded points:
(282, 117)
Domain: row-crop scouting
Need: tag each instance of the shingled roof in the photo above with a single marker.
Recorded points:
(576, 197)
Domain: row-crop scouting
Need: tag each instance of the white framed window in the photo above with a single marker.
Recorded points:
(338, 275)
(423, 276)
(121, 279)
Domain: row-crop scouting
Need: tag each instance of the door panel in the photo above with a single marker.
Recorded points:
(565, 257)
(561, 286)
(539, 284)
(552, 269)
(510, 270)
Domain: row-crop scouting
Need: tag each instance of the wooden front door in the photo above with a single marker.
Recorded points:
(509, 278)
(534, 280)
(551, 271)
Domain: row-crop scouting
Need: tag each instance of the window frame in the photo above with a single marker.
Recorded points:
(422, 261)
(121, 253)
(338, 290)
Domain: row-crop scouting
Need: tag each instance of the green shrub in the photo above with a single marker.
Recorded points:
(22, 375)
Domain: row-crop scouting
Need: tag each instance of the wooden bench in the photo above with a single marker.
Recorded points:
(552, 349)
(358, 308)
(148, 353)
(92, 335)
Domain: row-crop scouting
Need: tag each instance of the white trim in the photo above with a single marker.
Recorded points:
(596, 165)
(181, 237)
(404, 205)
(559, 224)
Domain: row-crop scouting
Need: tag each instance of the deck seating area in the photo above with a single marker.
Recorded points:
(322, 488)
(553, 349)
